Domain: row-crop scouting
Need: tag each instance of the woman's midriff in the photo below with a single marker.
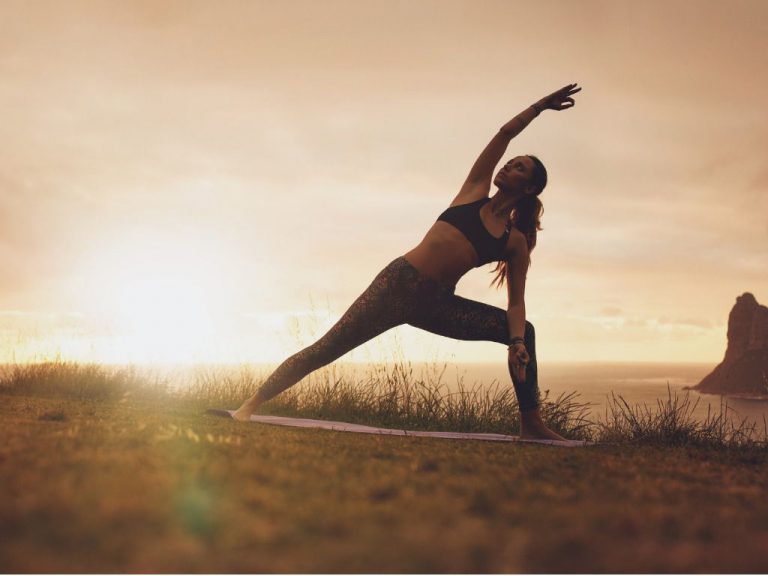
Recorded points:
(444, 254)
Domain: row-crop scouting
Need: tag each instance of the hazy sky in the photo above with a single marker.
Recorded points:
(190, 180)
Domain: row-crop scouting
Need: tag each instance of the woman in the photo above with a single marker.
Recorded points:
(418, 287)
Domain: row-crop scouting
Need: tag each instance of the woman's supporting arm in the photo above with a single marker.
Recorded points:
(517, 269)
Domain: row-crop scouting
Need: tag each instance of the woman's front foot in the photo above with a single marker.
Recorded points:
(532, 427)
(542, 433)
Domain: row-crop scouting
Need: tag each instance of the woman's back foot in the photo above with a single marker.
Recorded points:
(243, 415)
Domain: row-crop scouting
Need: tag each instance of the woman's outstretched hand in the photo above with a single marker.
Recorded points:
(560, 99)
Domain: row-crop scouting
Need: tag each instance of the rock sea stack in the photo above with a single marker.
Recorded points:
(744, 370)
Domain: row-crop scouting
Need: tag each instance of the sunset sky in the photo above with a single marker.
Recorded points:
(218, 181)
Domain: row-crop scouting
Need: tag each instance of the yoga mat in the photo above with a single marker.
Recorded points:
(361, 429)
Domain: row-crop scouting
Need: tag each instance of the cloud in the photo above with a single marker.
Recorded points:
(611, 311)
(685, 322)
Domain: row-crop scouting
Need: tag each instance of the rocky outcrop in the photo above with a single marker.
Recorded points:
(744, 370)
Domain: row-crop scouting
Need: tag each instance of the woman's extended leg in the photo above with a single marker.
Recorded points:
(383, 305)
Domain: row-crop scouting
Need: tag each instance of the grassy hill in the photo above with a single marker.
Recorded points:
(104, 471)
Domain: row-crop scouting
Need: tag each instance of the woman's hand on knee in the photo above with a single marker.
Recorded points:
(518, 360)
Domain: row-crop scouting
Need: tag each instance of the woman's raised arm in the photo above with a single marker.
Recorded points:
(482, 170)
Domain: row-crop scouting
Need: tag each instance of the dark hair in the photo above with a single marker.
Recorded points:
(526, 217)
(539, 177)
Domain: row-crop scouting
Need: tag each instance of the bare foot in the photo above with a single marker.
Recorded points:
(248, 407)
(243, 413)
(540, 433)
(532, 427)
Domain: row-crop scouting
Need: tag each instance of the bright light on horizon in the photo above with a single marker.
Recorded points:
(179, 181)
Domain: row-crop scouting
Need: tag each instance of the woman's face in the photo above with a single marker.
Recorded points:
(516, 176)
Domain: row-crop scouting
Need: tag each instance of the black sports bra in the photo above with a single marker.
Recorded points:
(466, 218)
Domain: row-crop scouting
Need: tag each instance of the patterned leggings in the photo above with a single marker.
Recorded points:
(399, 294)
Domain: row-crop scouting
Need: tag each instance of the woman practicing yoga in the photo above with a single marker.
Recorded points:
(418, 287)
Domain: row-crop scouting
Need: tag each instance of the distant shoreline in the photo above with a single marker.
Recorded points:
(580, 363)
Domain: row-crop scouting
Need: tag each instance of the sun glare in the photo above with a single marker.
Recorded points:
(161, 298)
(164, 318)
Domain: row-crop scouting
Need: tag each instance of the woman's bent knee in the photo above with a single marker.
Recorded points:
(529, 328)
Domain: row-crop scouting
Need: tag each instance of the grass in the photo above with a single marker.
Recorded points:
(390, 395)
(673, 424)
(115, 470)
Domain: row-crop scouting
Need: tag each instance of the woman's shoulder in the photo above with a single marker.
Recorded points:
(517, 243)
(515, 234)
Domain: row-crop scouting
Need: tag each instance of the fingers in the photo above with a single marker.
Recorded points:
(519, 357)
(568, 90)
(561, 92)
(561, 99)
